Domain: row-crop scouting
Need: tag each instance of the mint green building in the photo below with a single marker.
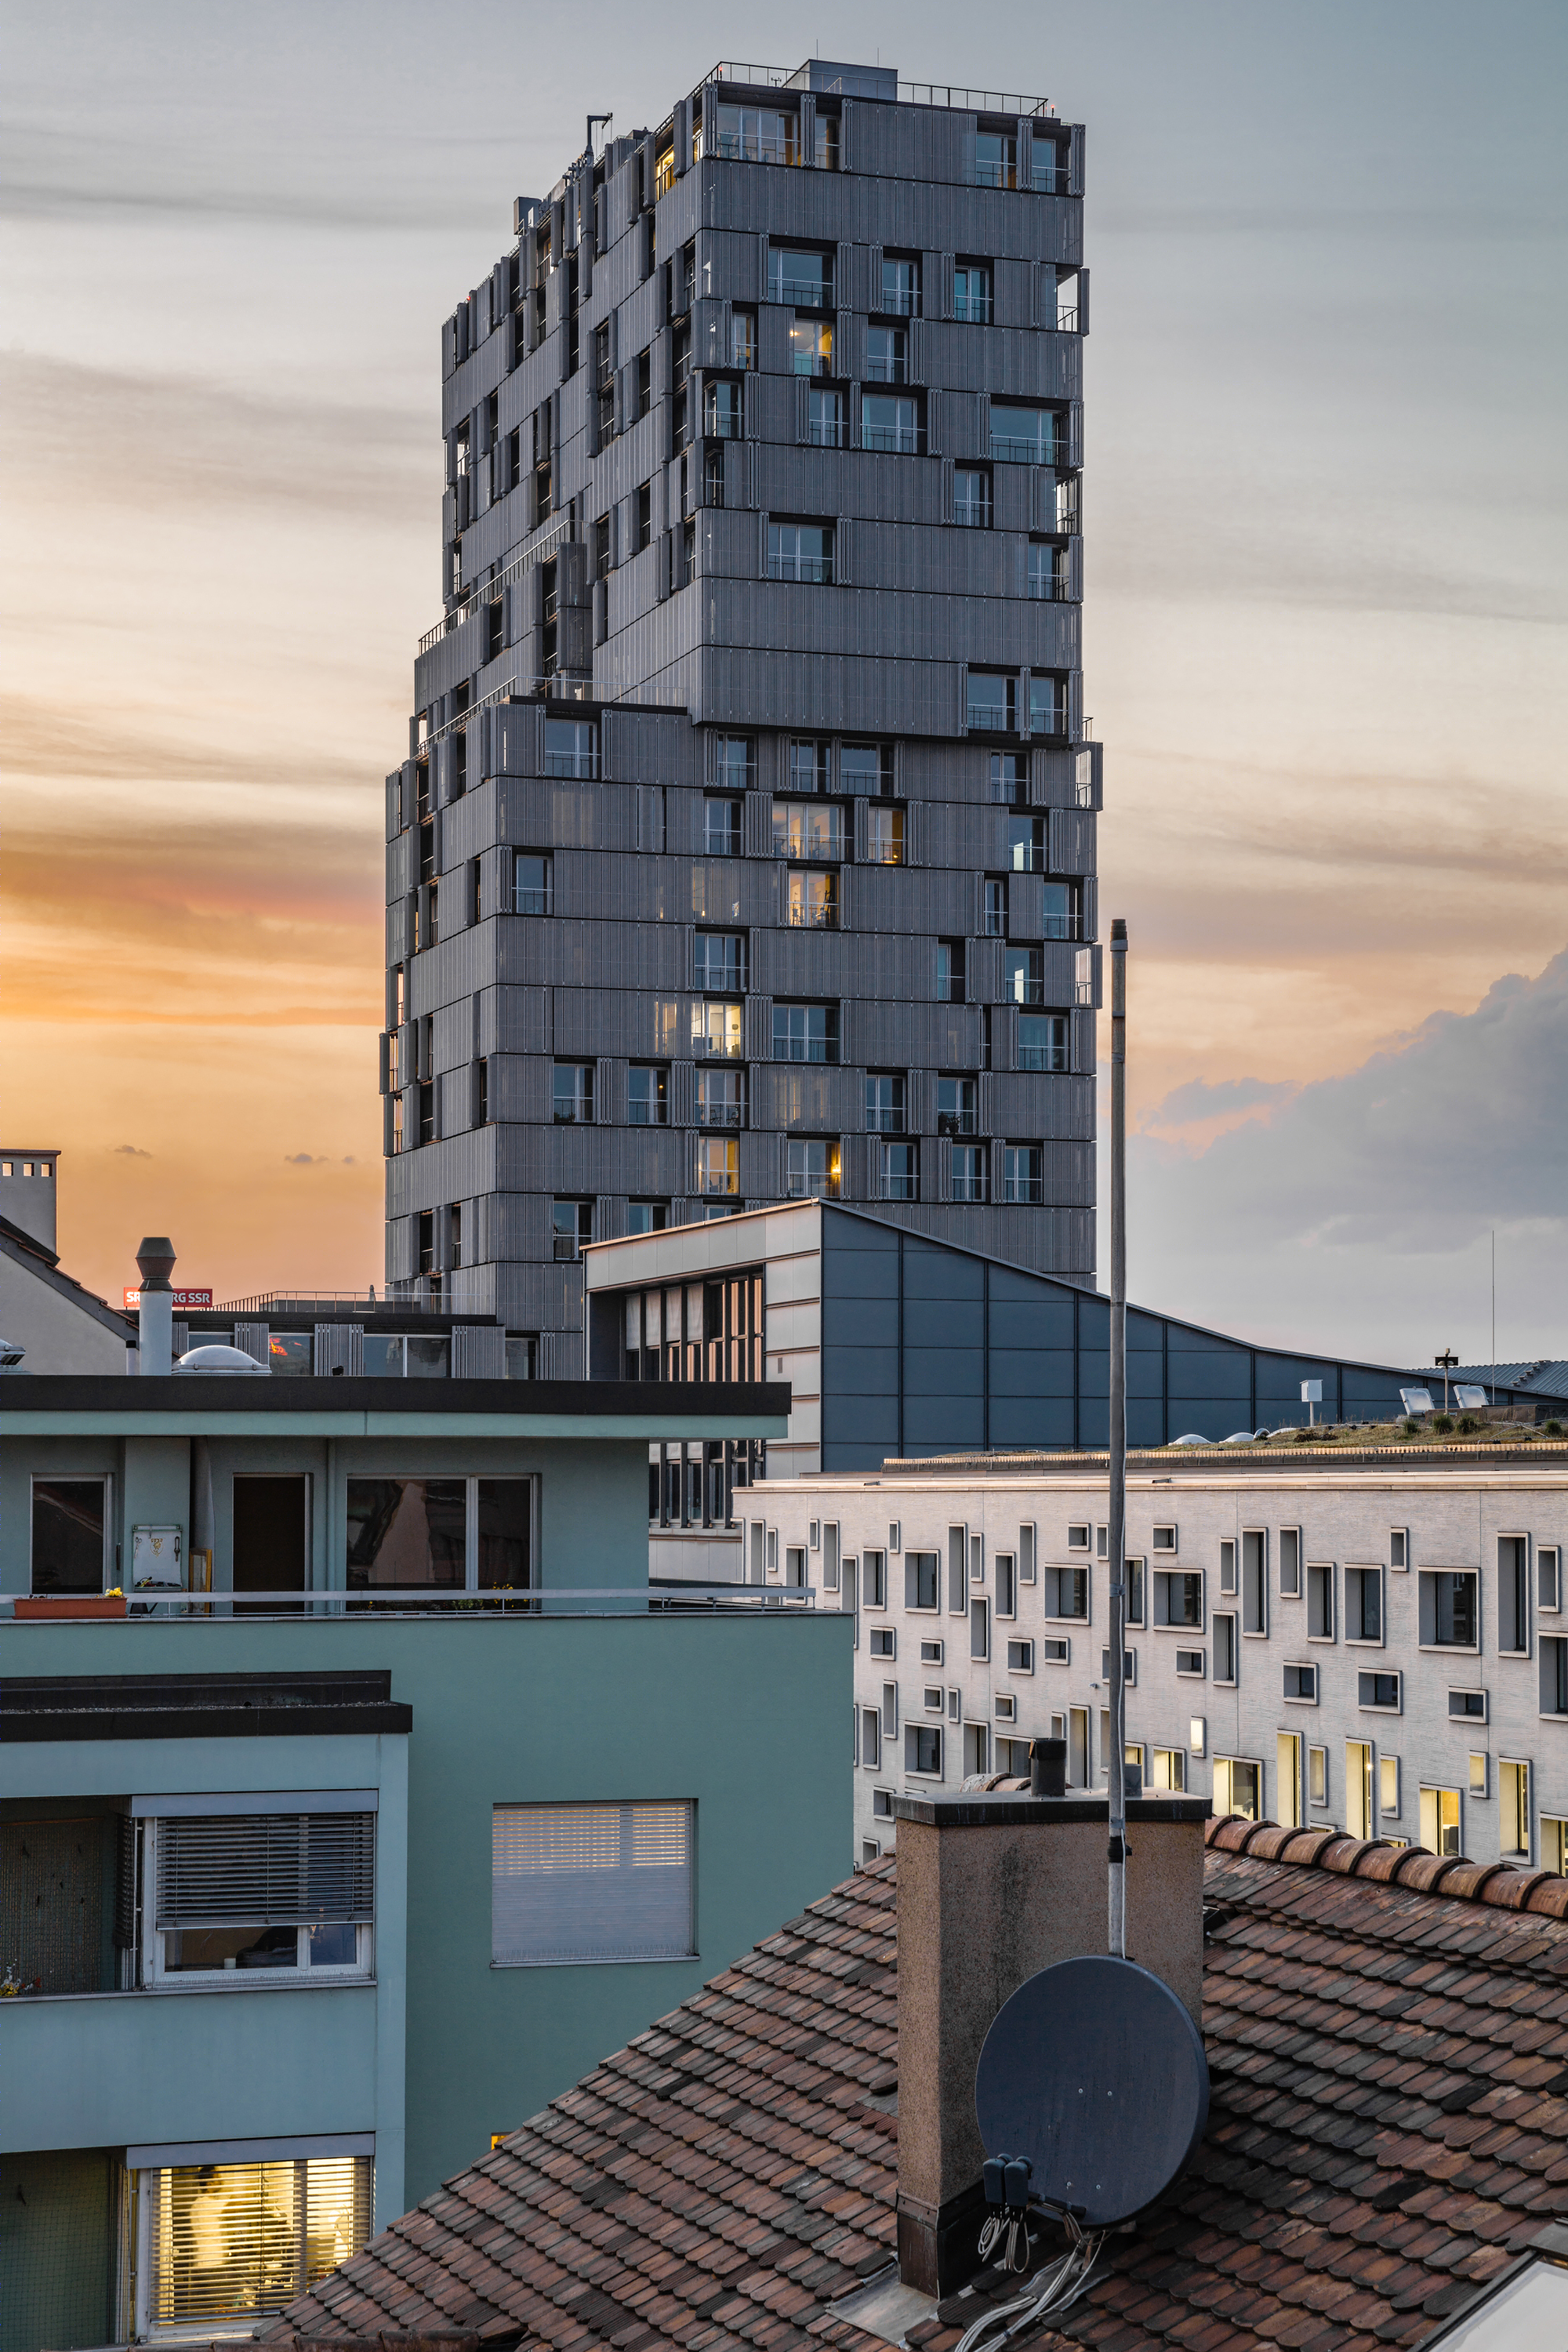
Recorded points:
(396, 1798)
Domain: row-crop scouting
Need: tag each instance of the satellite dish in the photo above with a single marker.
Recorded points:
(1095, 2074)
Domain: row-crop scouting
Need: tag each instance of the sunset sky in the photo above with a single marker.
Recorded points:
(1324, 505)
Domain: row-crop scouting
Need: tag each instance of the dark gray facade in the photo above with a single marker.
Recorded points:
(746, 845)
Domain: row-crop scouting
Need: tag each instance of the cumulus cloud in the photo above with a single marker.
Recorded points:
(1357, 1215)
(131, 1151)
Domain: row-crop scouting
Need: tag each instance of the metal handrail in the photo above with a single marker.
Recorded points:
(910, 93)
(539, 551)
(490, 1601)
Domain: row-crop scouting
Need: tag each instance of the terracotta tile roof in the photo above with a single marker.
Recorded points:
(1388, 2044)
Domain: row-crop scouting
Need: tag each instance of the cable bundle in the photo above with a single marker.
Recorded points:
(1007, 2194)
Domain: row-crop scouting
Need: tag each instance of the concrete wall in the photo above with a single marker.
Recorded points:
(748, 1718)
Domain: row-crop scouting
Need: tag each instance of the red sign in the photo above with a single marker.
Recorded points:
(180, 1297)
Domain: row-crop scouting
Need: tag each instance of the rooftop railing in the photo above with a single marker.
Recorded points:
(910, 93)
(656, 1598)
(539, 551)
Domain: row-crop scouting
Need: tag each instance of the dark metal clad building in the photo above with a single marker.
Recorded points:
(746, 848)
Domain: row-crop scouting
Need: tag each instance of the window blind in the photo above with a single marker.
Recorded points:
(228, 2240)
(592, 1883)
(224, 1869)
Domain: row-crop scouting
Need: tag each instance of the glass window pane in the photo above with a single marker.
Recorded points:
(505, 1534)
(67, 1535)
(405, 1533)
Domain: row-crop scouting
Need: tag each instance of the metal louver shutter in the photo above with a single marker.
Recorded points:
(574, 1882)
(238, 1869)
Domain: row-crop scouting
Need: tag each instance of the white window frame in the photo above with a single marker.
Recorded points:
(1058, 1615)
(1327, 1570)
(923, 1608)
(1552, 1552)
(1166, 1528)
(934, 1698)
(873, 1579)
(1045, 1650)
(1366, 1640)
(1507, 1765)
(1447, 1649)
(1024, 1662)
(1028, 1553)
(1258, 1632)
(1317, 1777)
(1468, 1715)
(1290, 1591)
(884, 1642)
(1517, 1534)
(1076, 1526)
(1004, 1706)
(1399, 1540)
(1299, 1697)
(1374, 1706)
(932, 1651)
(911, 1736)
(157, 1978)
(1006, 1584)
(1441, 1788)
(1387, 1764)
(1226, 1682)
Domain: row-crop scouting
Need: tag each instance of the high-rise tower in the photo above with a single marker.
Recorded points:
(746, 844)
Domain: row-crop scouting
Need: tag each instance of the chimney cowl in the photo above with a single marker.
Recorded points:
(155, 1258)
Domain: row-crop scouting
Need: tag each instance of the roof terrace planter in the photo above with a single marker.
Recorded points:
(69, 1604)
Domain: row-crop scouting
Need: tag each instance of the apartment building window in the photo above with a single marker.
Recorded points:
(253, 1891)
(743, 339)
(756, 135)
(897, 1171)
(874, 1578)
(810, 764)
(801, 550)
(1379, 1691)
(1513, 1595)
(1364, 1604)
(572, 1225)
(826, 144)
(1009, 778)
(900, 297)
(826, 424)
(721, 828)
(276, 2228)
(1023, 975)
(1023, 434)
(808, 830)
(887, 355)
(1048, 574)
(1255, 1583)
(1449, 1609)
(571, 748)
(972, 499)
(414, 1533)
(575, 1883)
(398, 1132)
(530, 883)
(805, 1033)
(1548, 1577)
(810, 346)
(424, 1107)
(718, 1165)
(995, 159)
(968, 1171)
(721, 1098)
(720, 962)
(647, 1216)
(956, 1105)
(721, 410)
(1062, 912)
(1048, 706)
(800, 277)
(992, 707)
(891, 422)
(1358, 1789)
(885, 837)
(1440, 1815)
(993, 908)
(922, 1751)
(737, 762)
(69, 1535)
(812, 901)
(1237, 1787)
(811, 1168)
(866, 770)
(1026, 845)
(972, 292)
(645, 517)
(717, 1031)
(1388, 1786)
(1513, 1811)
(648, 1095)
(573, 1094)
(1023, 1173)
(1048, 169)
(885, 1104)
(950, 971)
(1224, 1649)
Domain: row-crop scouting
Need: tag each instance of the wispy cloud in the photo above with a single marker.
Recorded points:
(1199, 1101)
(131, 1151)
(304, 1160)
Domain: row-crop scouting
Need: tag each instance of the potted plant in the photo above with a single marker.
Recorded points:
(70, 1605)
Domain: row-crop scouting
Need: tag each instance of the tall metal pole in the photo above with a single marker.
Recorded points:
(1116, 1533)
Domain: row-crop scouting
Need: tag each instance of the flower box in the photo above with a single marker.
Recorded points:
(69, 1604)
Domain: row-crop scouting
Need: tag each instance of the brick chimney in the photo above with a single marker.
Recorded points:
(992, 1889)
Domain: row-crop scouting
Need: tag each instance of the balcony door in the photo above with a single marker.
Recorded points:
(271, 1534)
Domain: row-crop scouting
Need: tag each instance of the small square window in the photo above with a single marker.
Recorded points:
(1190, 1663)
(883, 1804)
(1077, 1537)
(1467, 1706)
(1056, 1653)
(1164, 1539)
(1020, 1657)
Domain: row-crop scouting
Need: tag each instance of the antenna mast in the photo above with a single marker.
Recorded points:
(1116, 1533)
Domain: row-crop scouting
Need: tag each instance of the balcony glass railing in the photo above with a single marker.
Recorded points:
(894, 440)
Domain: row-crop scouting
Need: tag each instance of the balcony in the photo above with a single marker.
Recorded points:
(827, 433)
(806, 293)
(885, 1122)
(721, 1114)
(894, 440)
(973, 308)
(1028, 450)
(812, 902)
